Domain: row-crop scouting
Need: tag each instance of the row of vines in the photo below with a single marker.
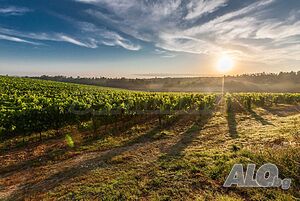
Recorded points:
(32, 106)
(249, 100)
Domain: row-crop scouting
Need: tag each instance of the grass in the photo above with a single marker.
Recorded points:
(188, 159)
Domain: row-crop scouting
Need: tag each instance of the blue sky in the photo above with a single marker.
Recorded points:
(128, 37)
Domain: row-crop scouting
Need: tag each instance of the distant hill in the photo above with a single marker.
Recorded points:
(260, 82)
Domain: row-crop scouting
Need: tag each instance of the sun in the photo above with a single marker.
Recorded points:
(225, 64)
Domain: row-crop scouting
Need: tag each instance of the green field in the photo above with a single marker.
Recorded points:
(74, 142)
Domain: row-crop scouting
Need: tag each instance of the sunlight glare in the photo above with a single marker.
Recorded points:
(225, 64)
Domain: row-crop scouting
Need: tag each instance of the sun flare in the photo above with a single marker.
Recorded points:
(225, 64)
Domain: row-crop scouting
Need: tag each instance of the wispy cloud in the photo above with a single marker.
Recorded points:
(249, 30)
(246, 32)
(164, 53)
(61, 37)
(16, 36)
(105, 37)
(12, 10)
(88, 1)
(197, 8)
(15, 39)
(92, 38)
(113, 39)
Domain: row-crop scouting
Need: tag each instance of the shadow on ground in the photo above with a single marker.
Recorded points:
(282, 110)
(259, 118)
(50, 155)
(189, 136)
(86, 166)
(232, 124)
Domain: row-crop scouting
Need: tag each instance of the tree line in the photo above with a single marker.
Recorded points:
(258, 82)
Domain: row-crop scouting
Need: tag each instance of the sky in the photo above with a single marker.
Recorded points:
(116, 38)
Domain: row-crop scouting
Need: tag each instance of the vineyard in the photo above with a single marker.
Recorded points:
(29, 106)
(124, 145)
(247, 100)
(33, 106)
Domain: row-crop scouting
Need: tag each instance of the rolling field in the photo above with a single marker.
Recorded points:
(74, 142)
